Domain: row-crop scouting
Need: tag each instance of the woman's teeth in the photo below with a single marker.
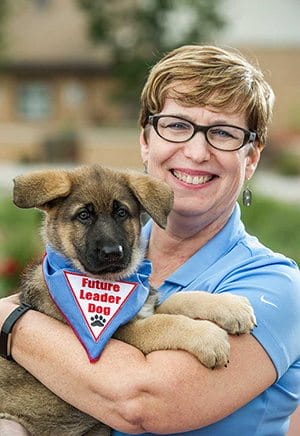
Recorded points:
(193, 180)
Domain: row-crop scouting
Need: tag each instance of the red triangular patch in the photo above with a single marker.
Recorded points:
(98, 300)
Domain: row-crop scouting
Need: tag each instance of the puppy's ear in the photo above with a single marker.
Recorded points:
(155, 196)
(40, 187)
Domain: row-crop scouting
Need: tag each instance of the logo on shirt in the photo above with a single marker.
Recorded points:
(263, 300)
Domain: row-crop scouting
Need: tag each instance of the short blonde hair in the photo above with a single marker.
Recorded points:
(204, 75)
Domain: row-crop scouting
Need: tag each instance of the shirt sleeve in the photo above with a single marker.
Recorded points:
(273, 289)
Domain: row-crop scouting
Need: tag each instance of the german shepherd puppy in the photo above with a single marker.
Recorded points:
(93, 219)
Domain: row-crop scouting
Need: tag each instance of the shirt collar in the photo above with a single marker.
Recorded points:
(207, 255)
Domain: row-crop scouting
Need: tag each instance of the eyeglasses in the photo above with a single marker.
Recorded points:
(223, 137)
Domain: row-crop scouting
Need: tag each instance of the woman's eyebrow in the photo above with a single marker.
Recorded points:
(184, 116)
(187, 117)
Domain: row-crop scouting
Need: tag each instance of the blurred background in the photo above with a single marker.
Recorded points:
(70, 76)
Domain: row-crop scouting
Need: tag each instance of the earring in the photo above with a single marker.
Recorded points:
(247, 197)
(145, 165)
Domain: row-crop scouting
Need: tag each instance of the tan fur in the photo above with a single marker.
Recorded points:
(231, 312)
(61, 194)
(41, 187)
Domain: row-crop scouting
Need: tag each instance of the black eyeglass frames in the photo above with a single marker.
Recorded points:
(225, 137)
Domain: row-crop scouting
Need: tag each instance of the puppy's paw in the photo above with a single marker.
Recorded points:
(234, 313)
(209, 343)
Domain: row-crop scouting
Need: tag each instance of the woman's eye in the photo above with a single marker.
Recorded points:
(221, 133)
(178, 126)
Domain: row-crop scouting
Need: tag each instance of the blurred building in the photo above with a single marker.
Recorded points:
(55, 86)
(55, 89)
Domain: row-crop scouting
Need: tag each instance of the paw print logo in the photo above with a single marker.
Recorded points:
(97, 321)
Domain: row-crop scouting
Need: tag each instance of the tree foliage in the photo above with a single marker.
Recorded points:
(138, 32)
(3, 15)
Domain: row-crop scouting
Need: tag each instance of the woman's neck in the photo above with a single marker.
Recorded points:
(170, 248)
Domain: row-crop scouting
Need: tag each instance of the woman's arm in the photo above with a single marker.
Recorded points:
(188, 396)
(168, 391)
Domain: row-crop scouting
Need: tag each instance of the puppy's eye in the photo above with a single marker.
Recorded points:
(83, 215)
(122, 212)
(119, 211)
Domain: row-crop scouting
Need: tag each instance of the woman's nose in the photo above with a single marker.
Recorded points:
(197, 148)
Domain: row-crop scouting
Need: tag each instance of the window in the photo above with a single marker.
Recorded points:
(73, 94)
(34, 101)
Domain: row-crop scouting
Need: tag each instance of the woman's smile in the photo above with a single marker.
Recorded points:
(192, 178)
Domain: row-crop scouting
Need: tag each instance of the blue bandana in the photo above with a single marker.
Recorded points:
(94, 308)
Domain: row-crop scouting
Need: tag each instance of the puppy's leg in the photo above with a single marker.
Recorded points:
(103, 431)
(231, 312)
(204, 339)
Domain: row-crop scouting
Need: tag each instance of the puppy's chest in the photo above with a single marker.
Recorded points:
(34, 291)
(149, 307)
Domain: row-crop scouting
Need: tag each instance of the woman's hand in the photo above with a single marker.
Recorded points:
(9, 428)
(14, 298)
(7, 305)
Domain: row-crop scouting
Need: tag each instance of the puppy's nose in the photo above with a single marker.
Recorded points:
(111, 252)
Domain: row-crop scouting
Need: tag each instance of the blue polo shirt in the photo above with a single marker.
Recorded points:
(233, 261)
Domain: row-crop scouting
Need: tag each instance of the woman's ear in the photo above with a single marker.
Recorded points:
(252, 160)
(144, 145)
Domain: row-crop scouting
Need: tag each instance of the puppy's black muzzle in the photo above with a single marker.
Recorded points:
(108, 249)
(108, 258)
(111, 253)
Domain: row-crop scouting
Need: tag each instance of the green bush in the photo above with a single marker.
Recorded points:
(276, 225)
(20, 242)
(286, 162)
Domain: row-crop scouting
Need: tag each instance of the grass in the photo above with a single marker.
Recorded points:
(276, 224)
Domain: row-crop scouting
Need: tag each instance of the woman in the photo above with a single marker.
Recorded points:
(204, 118)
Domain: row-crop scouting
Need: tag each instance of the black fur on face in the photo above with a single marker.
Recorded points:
(109, 239)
